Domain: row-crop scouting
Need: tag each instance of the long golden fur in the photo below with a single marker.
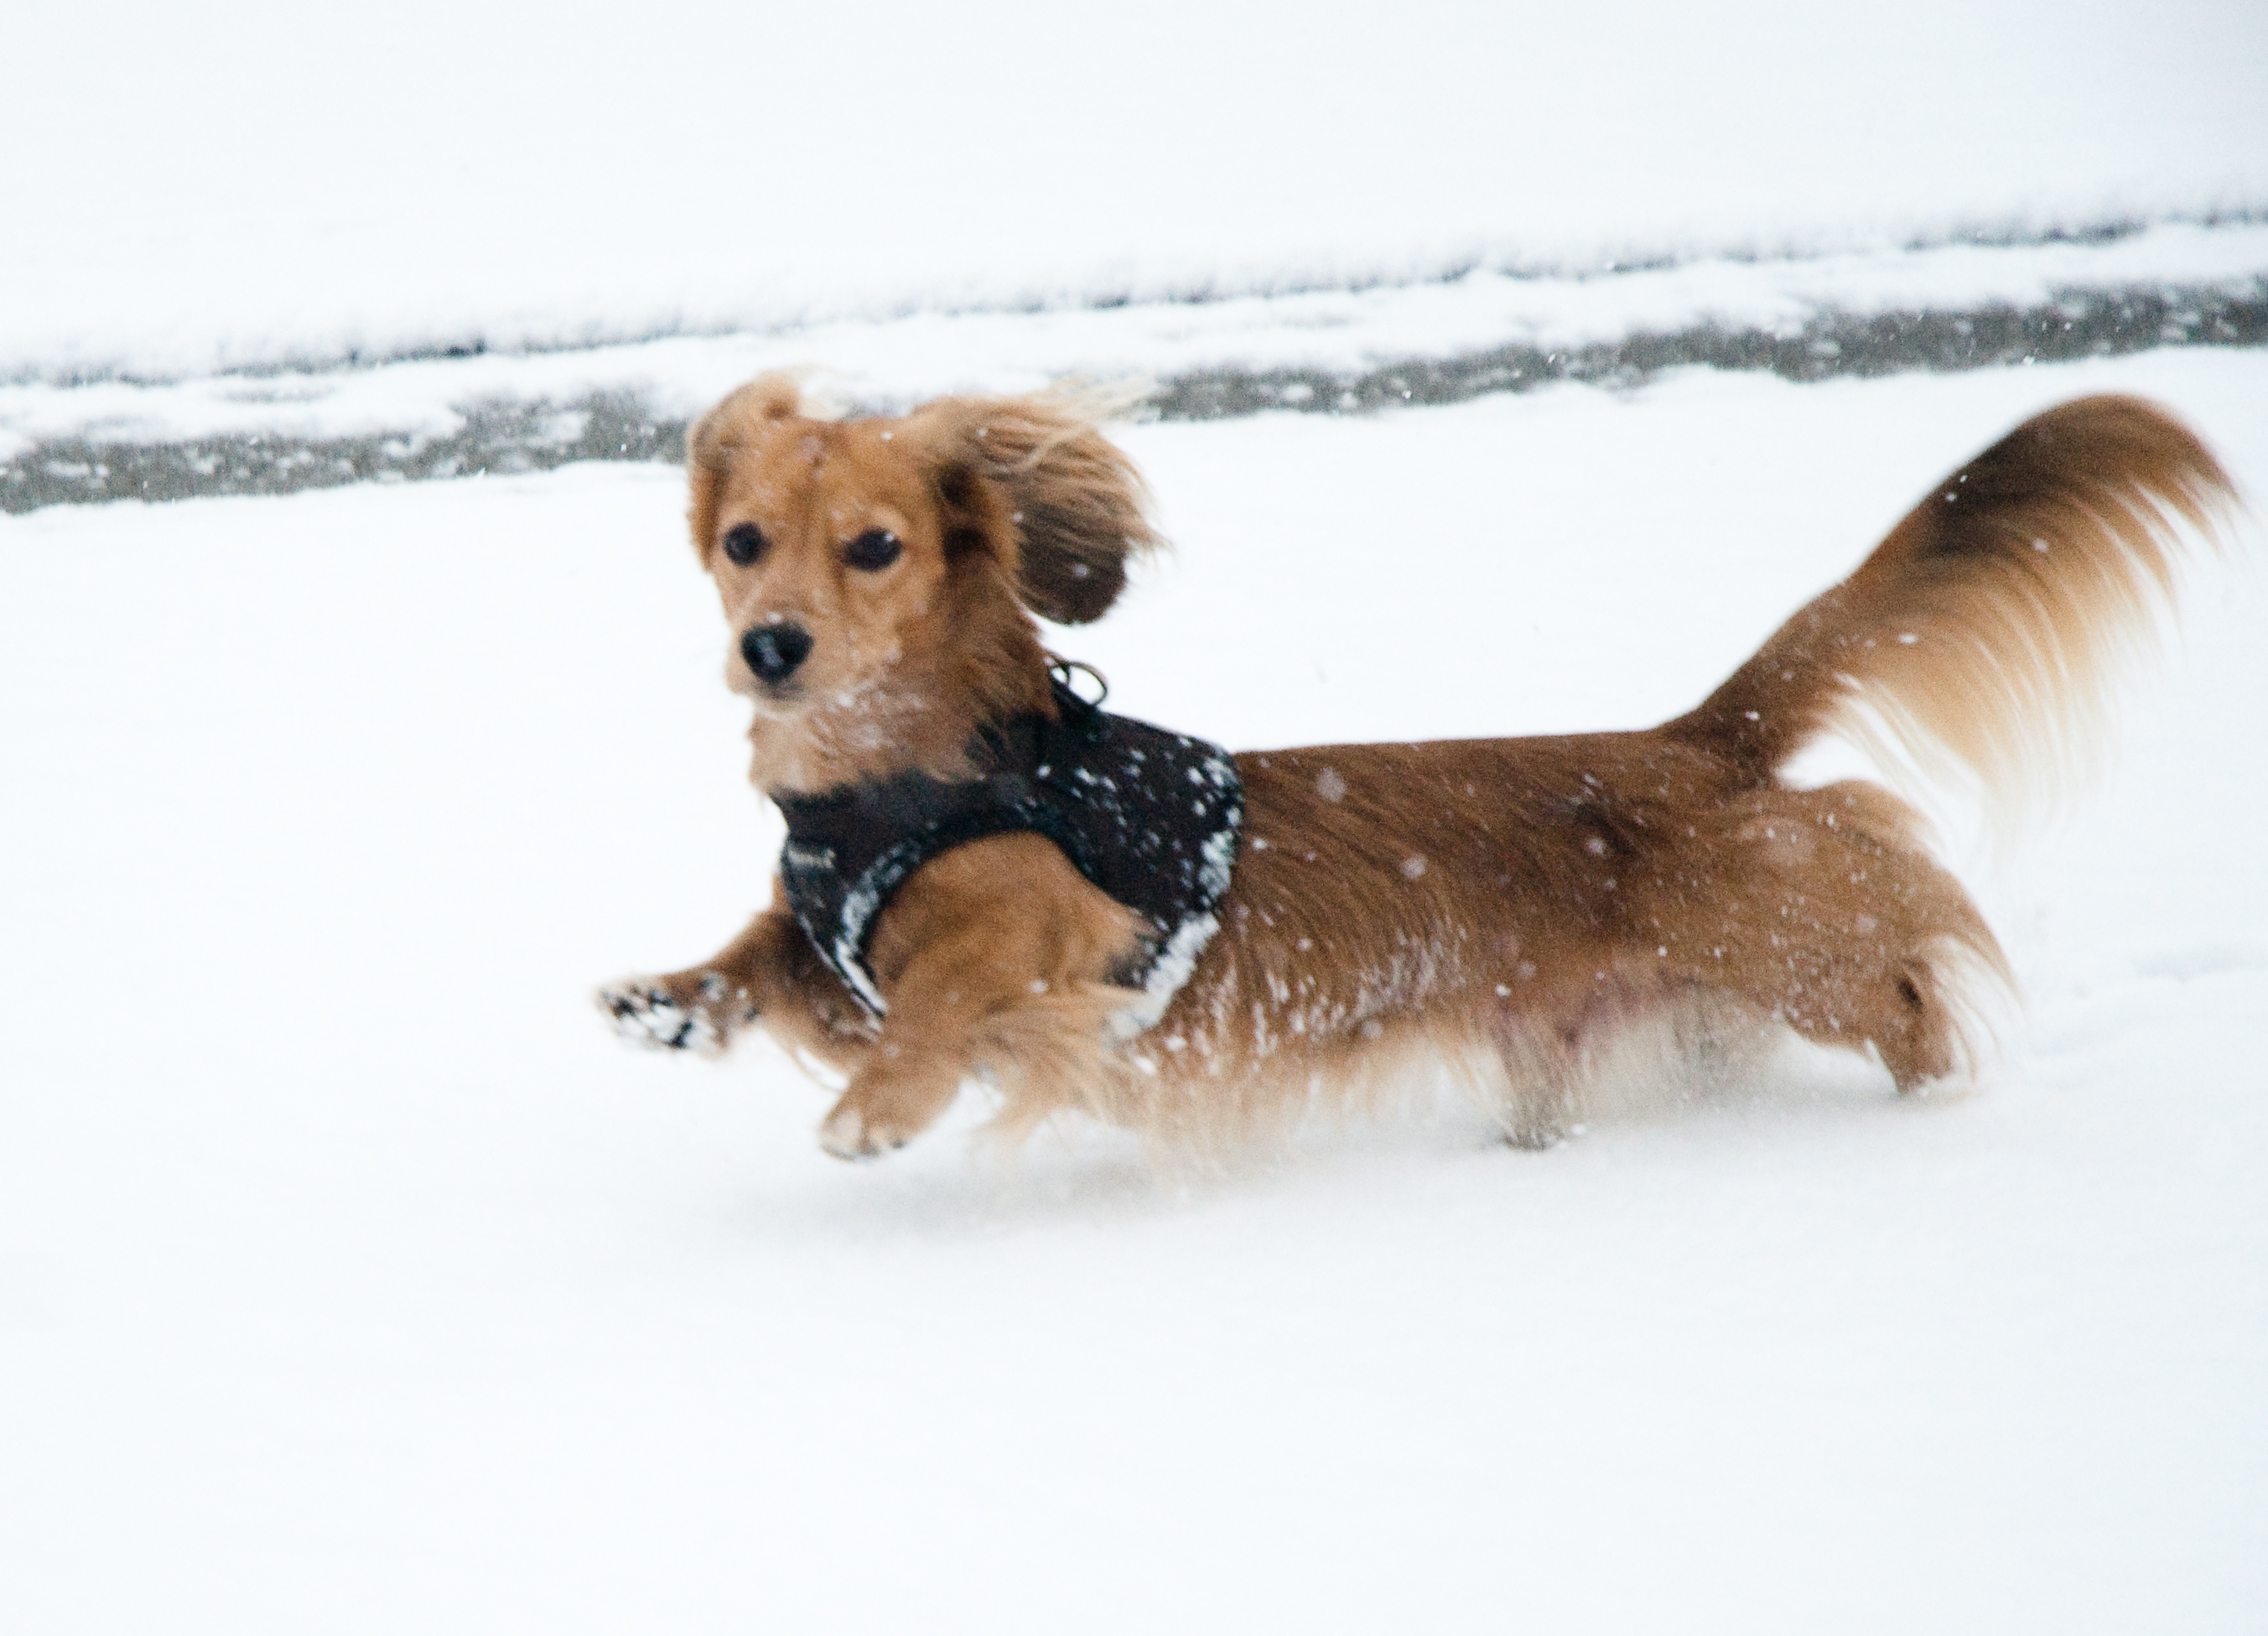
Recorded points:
(1516, 909)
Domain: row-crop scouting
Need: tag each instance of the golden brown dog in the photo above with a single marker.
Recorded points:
(1512, 908)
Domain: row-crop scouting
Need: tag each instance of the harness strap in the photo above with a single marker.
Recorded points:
(1150, 817)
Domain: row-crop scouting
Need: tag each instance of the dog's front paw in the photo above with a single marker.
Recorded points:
(849, 1133)
(646, 1011)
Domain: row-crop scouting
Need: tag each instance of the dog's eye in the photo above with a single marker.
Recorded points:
(873, 550)
(744, 542)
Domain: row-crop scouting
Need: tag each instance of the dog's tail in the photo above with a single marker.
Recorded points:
(1987, 627)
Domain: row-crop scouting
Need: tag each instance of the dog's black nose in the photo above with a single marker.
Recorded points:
(773, 652)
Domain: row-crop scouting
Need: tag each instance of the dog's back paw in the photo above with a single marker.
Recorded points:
(645, 1011)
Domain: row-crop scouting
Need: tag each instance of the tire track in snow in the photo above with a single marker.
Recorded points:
(506, 434)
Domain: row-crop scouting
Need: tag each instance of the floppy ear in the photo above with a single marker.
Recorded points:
(1076, 505)
(719, 437)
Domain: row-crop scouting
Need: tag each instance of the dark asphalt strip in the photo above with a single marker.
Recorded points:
(508, 437)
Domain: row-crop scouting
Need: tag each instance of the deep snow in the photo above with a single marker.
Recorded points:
(352, 1278)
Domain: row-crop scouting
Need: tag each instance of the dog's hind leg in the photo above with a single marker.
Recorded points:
(1538, 1100)
(1823, 909)
(1904, 954)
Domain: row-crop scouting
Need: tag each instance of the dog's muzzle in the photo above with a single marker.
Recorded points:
(773, 652)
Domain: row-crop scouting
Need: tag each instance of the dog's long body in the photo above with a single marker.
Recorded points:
(1511, 907)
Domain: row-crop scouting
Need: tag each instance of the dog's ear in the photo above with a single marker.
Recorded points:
(1076, 506)
(719, 437)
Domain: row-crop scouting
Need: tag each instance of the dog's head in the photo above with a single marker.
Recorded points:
(872, 567)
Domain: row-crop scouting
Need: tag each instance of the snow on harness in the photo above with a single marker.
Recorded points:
(1150, 817)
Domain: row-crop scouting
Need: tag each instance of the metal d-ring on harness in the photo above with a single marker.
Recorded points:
(1150, 817)
(1061, 669)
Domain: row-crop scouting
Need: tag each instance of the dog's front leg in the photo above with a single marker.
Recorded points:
(768, 975)
(996, 931)
(915, 1067)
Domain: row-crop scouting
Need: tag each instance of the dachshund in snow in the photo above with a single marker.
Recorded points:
(988, 876)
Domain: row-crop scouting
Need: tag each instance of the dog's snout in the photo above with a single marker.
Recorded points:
(773, 652)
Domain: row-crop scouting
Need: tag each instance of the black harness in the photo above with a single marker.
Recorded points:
(1150, 817)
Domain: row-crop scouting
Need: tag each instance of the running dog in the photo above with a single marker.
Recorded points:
(986, 875)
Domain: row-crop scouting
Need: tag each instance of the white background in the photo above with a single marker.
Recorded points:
(186, 188)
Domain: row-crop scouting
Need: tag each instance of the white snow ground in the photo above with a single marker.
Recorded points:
(352, 1278)
(189, 191)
